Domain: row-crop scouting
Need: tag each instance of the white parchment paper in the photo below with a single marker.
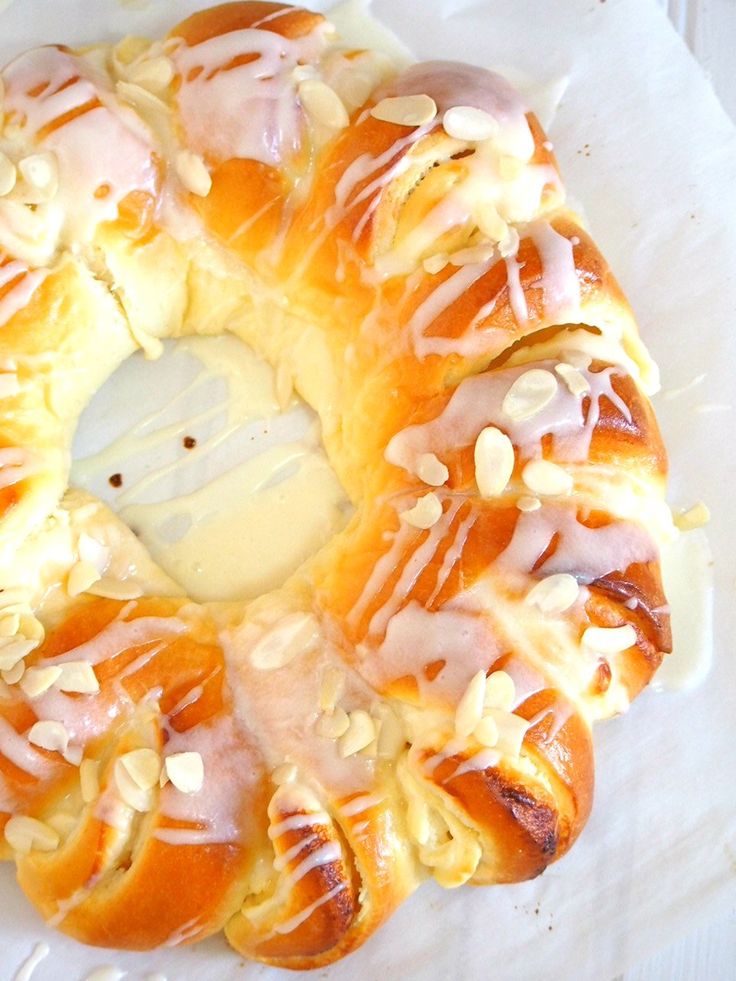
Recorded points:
(647, 150)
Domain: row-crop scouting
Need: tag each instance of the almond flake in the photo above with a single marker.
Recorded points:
(192, 172)
(297, 634)
(78, 676)
(546, 478)
(695, 517)
(94, 552)
(49, 735)
(81, 576)
(417, 820)
(360, 733)
(154, 74)
(469, 711)
(494, 461)
(24, 834)
(31, 628)
(554, 594)
(332, 725)
(63, 823)
(41, 172)
(333, 684)
(436, 263)
(431, 470)
(143, 767)
(609, 640)
(491, 223)
(406, 110)
(511, 731)
(486, 732)
(7, 175)
(425, 513)
(391, 736)
(14, 650)
(185, 771)
(323, 104)
(13, 676)
(286, 773)
(115, 589)
(529, 394)
(128, 790)
(575, 380)
(37, 681)
(9, 625)
(469, 124)
(89, 780)
(499, 692)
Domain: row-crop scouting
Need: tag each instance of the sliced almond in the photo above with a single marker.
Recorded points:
(431, 470)
(323, 104)
(425, 513)
(554, 594)
(89, 780)
(14, 674)
(469, 710)
(491, 223)
(31, 628)
(14, 650)
(436, 263)
(529, 394)
(286, 773)
(499, 691)
(94, 552)
(154, 74)
(406, 110)
(9, 625)
(49, 735)
(546, 478)
(695, 517)
(143, 766)
(62, 823)
(526, 503)
(41, 172)
(78, 676)
(185, 771)
(486, 732)
(360, 733)
(469, 124)
(128, 790)
(575, 380)
(26, 834)
(81, 576)
(417, 820)
(609, 640)
(332, 687)
(511, 731)
(284, 385)
(297, 634)
(192, 172)
(391, 735)
(494, 461)
(37, 681)
(115, 589)
(332, 725)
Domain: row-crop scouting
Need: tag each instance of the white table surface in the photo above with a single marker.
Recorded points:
(709, 953)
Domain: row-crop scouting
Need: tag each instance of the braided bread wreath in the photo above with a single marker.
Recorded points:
(417, 699)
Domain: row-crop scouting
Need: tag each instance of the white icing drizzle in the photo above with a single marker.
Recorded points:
(324, 855)
(15, 747)
(559, 279)
(477, 402)
(288, 926)
(40, 952)
(297, 821)
(586, 553)
(250, 111)
(361, 803)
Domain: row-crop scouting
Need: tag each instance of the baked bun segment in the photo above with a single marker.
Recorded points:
(416, 700)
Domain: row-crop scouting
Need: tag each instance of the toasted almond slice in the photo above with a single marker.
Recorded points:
(296, 634)
(391, 736)
(9, 625)
(431, 470)
(89, 780)
(49, 735)
(185, 771)
(554, 594)
(128, 790)
(486, 732)
(425, 513)
(154, 74)
(575, 380)
(25, 834)
(491, 223)
(14, 598)
(609, 640)
(62, 823)
(78, 676)
(81, 576)
(41, 172)
(192, 172)
(417, 820)
(14, 651)
(469, 124)
(323, 104)
(406, 110)
(499, 692)
(494, 461)
(73, 755)
(695, 517)
(469, 710)
(360, 733)
(546, 478)
(529, 394)
(13, 676)
(285, 773)
(332, 725)
(509, 244)
(332, 687)
(116, 589)
(31, 628)
(436, 263)
(511, 731)
(7, 175)
(143, 767)
(37, 681)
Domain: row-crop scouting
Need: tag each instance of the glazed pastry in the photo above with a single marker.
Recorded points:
(417, 699)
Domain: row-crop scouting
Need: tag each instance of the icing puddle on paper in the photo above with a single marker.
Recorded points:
(229, 494)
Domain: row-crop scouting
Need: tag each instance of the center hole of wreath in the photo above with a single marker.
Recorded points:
(228, 491)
